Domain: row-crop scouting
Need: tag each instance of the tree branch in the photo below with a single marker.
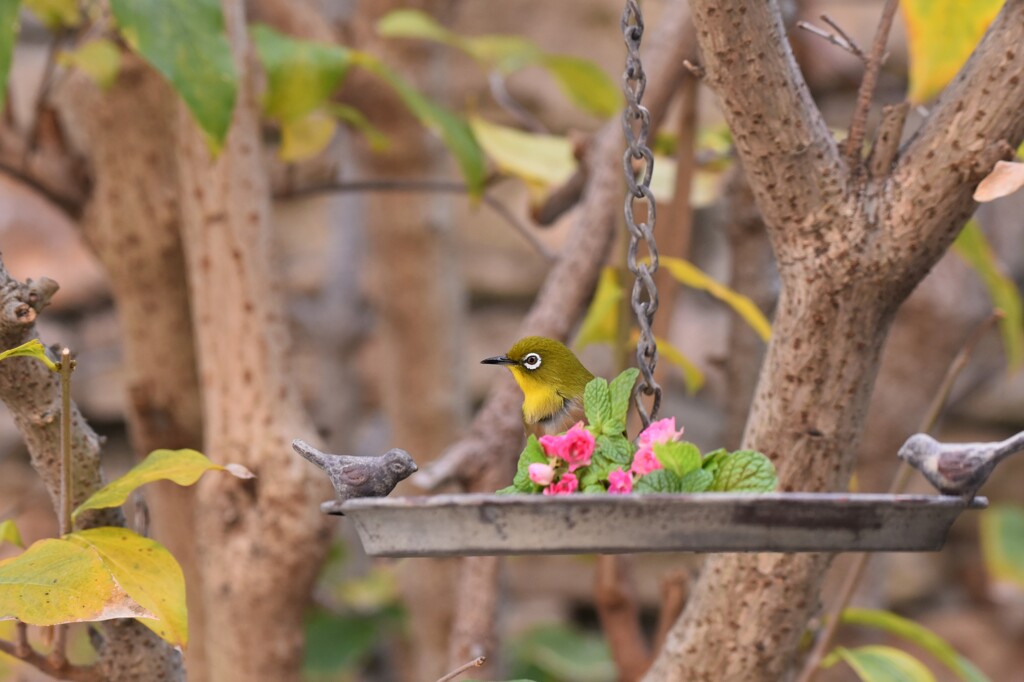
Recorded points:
(887, 139)
(58, 177)
(940, 166)
(858, 125)
(74, 673)
(619, 614)
(791, 159)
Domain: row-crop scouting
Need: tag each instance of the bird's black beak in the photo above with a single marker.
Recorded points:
(499, 360)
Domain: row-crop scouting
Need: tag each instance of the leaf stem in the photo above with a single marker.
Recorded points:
(475, 663)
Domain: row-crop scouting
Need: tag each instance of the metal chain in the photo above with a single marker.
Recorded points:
(636, 124)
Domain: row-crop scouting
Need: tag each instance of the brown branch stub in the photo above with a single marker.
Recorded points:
(675, 590)
(696, 70)
(858, 125)
(55, 669)
(475, 663)
(839, 38)
(887, 139)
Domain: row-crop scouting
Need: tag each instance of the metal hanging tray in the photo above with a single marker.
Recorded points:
(487, 524)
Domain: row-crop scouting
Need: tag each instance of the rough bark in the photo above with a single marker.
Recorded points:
(132, 223)
(264, 537)
(848, 254)
(125, 649)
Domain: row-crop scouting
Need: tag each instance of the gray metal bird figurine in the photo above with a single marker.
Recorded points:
(957, 468)
(359, 476)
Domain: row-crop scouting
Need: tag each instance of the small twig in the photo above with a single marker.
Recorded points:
(504, 98)
(898, 485)
(619, 614)
(443, 186)
(675, 590)
(887, 139)
(74, 673)
(475, 663)
(845, 36)
(66, 478)
(21, 645)
(841, 40)
(866, 93)
(696, 70)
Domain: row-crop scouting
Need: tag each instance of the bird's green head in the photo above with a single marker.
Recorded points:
(542, 365)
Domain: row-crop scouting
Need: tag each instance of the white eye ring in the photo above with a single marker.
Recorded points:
(531, 361)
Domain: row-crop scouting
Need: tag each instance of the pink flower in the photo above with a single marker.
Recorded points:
(644, 461)
(661, 431)
(576, 446)
(567, 484)
(620, 482)
(541, 474)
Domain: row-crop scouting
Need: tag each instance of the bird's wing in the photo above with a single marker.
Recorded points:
(355, 474)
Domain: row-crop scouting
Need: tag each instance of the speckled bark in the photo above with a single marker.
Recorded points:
(131, 222)
(261, 541)
(126, 650)
(850, 249)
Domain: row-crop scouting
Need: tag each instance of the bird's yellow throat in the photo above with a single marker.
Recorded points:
(540, 399)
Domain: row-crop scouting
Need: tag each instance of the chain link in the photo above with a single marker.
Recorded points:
(636, 124)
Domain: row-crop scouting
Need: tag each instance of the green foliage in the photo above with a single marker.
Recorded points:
(973, 247)
(558, 652)
(99, 59)
(880, 664)
(745, 471)
(147, 573)
(621, 390)
(31, 349)
(1002, 543)
(8, 36)
(597, 404)
(378, 141)
(183, 467)
(697, 481)
(615, 448)
(659, 481)
(185, 41)
(583, 82)
(532, 454)
(339, 642)
(680, 458)
(916, 634)
(541, 161)
(55, 14)
(941, 34)
(714, 459)
(9, 534)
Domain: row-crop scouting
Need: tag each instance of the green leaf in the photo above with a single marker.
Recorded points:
(714, 459)
(621, 390)
(880, 664)
(594, 488)
(616, 448)
(678, 457)
(55, 14)
(941, 34)
(503, 53)
(542, 161)
(379, 142)
(31, 349)
(99, 59)
(1002, 543)
(745, 471)
(564, 653)
(597, 404)
(185, 41)
(533, 453)
(696, 481)
(601, 321)
(56, 581)
(453, 130)
(919, 635)
(585, 84)
(692, 376)
(8, 36)
(301, 74)
(689, 275)
(414, 23)
(304, 138)
(973, 247)
(183, 467)
(9, 533)
(147, 572)
(658, 481)
(337, 643)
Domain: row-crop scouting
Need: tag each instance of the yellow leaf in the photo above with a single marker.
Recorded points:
(306, 137)
(55, 14)
(147, 573)
(537, 158)
(1006, 178)
(973, 247)
(601, 321)
(379, 142)
(692, 376)
(690, 275)
(56, 581)
(183, 467)
(1002, 543)
(31, 349)
(9, 533)
(881, 664)
(941, 34)
(99, 59)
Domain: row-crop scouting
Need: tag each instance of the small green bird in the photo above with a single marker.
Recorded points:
(552, 380)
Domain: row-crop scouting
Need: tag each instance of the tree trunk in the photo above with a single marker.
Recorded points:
(132, 223)
(261, 541)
